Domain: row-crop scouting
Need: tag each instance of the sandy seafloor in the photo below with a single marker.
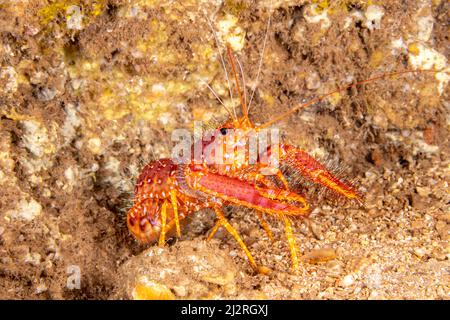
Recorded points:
(91, 91)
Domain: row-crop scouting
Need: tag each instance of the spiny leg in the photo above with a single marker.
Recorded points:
(265, 225)
(281, 194)
(286, 195)
(224, 222)
(214, 230)
(263, 178)
(291, 241)
(162, 235)
(280, 176)
(173, 200)
(259, 177)
(288, 226)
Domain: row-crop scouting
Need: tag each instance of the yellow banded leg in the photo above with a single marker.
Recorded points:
(214, 230)
(259, 177)
(291, 241)
(224, 222)
(263, 178)
(285, 195)
(162, 234)
(265, 225)
(282, 179)
(173, 200)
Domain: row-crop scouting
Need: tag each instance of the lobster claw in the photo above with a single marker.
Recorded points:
(139, 224)
(316, 172)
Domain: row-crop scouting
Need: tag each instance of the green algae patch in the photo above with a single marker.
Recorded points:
(60, 8)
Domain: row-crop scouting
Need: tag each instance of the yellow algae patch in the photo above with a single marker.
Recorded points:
(376, 58)
(322, 5)
(116, 94)
(204, 58)
(112, 93)
(56, 8)
(335, 98)
(235, 7)
(413, 49)
(154, 46)
(267, 98)
(14, 115)
(145, 99)
(338, 6)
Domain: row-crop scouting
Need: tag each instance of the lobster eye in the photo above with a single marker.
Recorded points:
(223, 131)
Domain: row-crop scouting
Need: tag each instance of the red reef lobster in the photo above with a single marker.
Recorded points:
(167, 192)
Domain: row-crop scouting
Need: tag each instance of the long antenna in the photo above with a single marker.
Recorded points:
(243, 81)
(217, 97)
(313, 101)
(222, 61)
(233, 66)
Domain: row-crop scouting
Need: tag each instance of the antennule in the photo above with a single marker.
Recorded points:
(233, 66)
